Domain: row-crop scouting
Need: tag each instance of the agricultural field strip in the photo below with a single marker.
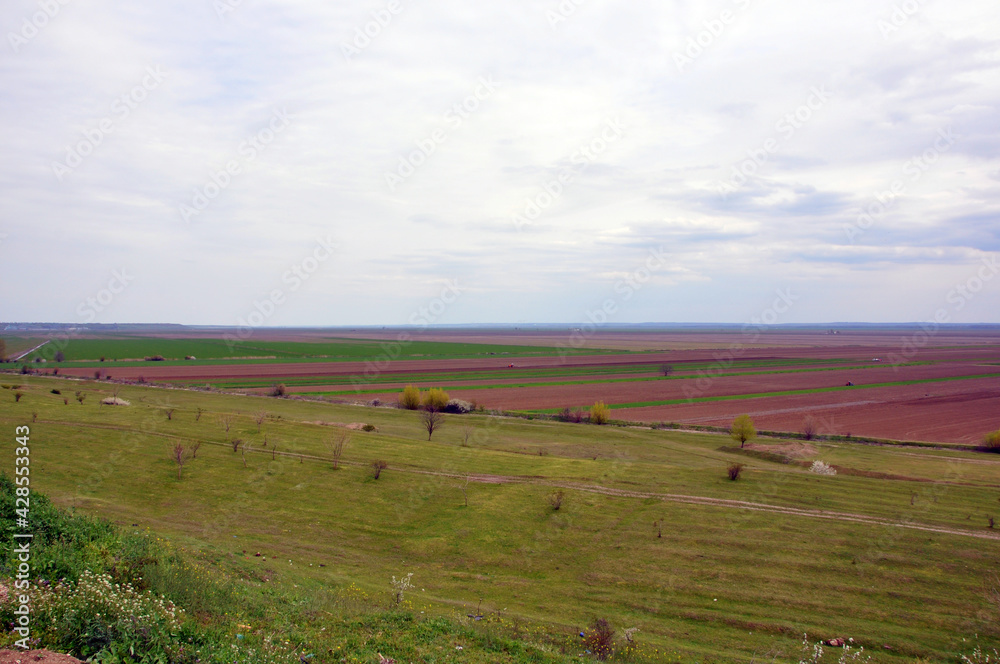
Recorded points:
(783, 393)
(486, 478)
(556, 383)
(85, 353)
(539, 372)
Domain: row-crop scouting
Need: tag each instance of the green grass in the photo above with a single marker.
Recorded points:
(720, 584)
(557, 382)
(552, 373)
(124, 350)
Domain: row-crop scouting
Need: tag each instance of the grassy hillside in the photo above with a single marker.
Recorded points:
(650, 533)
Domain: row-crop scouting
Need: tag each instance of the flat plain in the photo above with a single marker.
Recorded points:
(896, 551)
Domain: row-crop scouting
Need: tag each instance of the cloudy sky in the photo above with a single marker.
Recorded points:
(340, 163)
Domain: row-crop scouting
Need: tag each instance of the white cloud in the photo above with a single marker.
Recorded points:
(352, 119)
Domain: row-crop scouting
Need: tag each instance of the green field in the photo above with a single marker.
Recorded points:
(650, 534)
(88, 352)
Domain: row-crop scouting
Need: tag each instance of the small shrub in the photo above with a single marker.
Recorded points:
(809, 429)
(80, 396)
(821, 468)
(54, 391)
(59, 356)
(734, 471)
(369, 428)
(435, 399)
(278, 390)
(576, 416)
(154, 358)
(458, 407)
(992, 441)
(742, 430)
(556, 500)
(18, 395)
(599, 413)
(410, 398)
(65, 401)
(666, 369)
(599, 639)
(378, 467)
(400, 587)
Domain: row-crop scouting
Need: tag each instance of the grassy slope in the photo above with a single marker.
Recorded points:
(720, 582)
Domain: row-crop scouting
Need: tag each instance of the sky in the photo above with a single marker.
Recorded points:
(388, 162)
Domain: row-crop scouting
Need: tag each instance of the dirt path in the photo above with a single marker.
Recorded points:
(27, 352)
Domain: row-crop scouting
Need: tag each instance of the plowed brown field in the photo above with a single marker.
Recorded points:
(958, 411)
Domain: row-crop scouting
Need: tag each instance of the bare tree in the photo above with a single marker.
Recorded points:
(180, 457)
(809, 428)
(226, 420)
(666, 369)
(170, 413)
(378, 467)
(556, 499)
(337, 446)
(243, 450)
(259, 418)
(236, 442)
(466, 434)
(194, 448)
(198, 414)
(432, 420)
(465, 490)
